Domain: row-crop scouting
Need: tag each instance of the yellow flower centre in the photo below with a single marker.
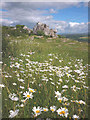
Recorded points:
(28, 96)
(31, 90)
(67, 74)
(52, 109)
(45, 110)
(60, 100)
(37, 111)
(62, 112)
(75, 118)
(65, 103)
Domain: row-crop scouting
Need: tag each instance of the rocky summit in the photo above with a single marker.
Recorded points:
(45, 29)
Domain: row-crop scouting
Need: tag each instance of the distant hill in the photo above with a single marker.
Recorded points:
(83, 37)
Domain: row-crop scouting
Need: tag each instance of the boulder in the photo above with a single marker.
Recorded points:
(26, 28)
(45, 29)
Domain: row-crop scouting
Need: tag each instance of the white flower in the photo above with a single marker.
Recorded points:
(1, 85)
(60, 60)
(6, 76)
(68, 75)
(65, 99)
(53, 108)
(21, 87)
(17, 75)
(13, 113)
(37, 110)
(58, 94)
(49, 54)
(63, 90)
(66, 67)
(81, 102)
(75, 117)
(17, 65)
(51, 59)
(60, 99)
(13, 97)
(14, 83)
(52, 83)
(45, 109)
(50, 78)
(77, 71)
(63, 112)
(21, 60)
(76, 81)
(65, 86)
(22, 105)
(21, 80)
(60, 80)
(24, 100)
(31, 90)
(12, 65)
(28, 95)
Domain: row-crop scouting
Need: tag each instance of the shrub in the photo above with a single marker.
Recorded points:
(59, 36)
(40, 33)
(20, 26)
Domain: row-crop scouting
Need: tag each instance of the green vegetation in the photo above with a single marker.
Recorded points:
(14, 31)
(79, 37)
(20, 26)
(59, 36)
(46, 65)
(40, 33)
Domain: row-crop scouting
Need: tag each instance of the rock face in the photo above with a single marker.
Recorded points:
(45, 29)
(26, 28)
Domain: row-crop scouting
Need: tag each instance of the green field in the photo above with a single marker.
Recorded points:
(44, 72)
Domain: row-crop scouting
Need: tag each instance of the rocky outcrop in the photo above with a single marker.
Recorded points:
(26, 28)
(45, 29)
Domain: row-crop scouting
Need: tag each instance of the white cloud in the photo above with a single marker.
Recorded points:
(41, 5)
(45, 1)
(6, 22)
(31, 13)
(52, 10)
(72, 24)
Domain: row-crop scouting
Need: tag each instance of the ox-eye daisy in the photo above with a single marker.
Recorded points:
(58, 94)
(37, 111)
(28, 95)
(75, 117)
(60, 99)
(13, 97)
(53, 108)
(31, 90)
(45, 109)
(81, 102)
(13, 113)
(62, 112)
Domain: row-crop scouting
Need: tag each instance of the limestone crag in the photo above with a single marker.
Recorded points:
(45, 29)
(26, 28)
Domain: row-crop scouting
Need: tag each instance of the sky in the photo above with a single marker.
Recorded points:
(66, 17)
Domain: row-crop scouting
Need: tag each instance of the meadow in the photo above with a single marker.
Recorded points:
(45, 78)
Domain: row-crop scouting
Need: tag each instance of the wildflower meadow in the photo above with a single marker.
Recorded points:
(45, 78)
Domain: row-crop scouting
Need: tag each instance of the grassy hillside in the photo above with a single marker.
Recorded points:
(78, 37)
(43, 66)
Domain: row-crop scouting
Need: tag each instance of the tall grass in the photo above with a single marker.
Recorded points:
(46, 65)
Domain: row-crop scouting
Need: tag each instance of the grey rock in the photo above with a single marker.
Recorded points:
(45, 28)
(26, 28)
